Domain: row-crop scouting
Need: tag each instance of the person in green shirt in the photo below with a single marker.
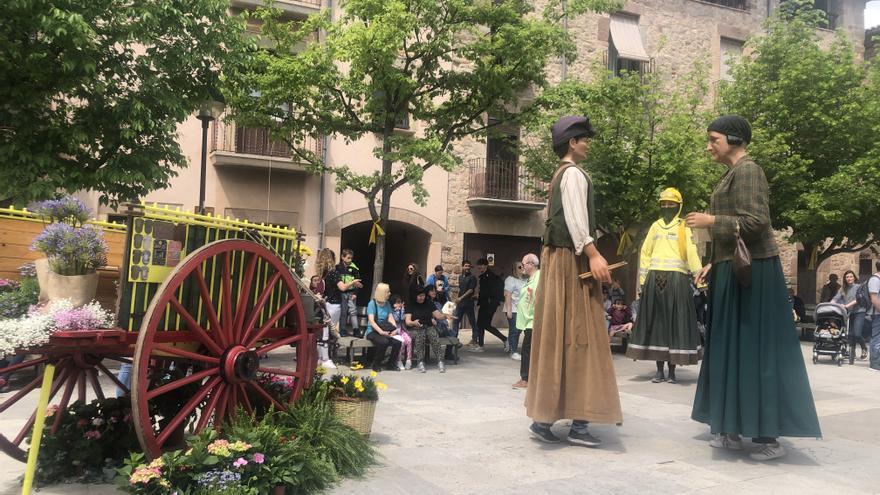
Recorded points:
(525, 314)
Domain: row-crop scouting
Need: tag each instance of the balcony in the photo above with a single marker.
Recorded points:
(295, 8)
(234, 146)
(498, 184)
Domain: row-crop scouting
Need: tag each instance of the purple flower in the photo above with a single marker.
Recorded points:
(240, 462)
(68, 210)
(259, 458)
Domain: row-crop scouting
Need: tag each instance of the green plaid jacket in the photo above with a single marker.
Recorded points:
(742, 196)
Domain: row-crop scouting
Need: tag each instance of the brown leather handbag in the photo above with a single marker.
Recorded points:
(742, 260)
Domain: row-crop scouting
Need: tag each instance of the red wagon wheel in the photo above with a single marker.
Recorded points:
(237, 303)
(74, 375)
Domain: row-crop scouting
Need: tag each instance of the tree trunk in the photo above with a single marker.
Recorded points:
(384, 212)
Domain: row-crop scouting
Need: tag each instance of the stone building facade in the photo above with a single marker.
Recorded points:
(483, 209)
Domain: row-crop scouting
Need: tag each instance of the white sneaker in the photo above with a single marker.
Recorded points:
(329, 364)
(506, 346)
(767, 452)
(725, 442)
(516, 356)
(400, 365)
(476, 348)
(408, 364)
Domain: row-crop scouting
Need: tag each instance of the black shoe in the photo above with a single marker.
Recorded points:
(658, 377)
(584, 439)
(671, 378)
(543, 433)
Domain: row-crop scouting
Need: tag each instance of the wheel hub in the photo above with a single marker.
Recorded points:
(240, 364)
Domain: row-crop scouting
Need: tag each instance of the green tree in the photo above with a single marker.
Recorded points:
(650, 135)
(92, 92)
(815, 113)
(443, 63)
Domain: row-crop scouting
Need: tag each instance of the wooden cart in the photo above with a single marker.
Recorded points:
(202, 302)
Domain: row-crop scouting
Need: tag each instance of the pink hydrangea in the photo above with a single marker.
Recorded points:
(259, 458)
(240, 462)
(92, 435)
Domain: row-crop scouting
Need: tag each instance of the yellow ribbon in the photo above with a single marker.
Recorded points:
(376, 230)
(814, 257)
(625, 241)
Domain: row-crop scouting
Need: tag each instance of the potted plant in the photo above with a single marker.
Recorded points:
(354, 397)
(73, 251)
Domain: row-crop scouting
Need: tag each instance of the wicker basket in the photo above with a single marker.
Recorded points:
(356, 413)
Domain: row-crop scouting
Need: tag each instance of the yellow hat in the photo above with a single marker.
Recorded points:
(671, 194)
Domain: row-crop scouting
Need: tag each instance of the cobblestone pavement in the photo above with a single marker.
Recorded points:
(465, 432)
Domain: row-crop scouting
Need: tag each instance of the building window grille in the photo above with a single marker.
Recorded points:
(733, 4)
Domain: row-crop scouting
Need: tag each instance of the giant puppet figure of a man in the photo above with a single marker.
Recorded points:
(571, 375)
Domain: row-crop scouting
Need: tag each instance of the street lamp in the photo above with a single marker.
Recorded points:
(209, 110)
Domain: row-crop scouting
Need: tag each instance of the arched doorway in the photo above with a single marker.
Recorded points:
(404, 244)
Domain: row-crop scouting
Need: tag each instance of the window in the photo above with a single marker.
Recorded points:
(626, 52)
(731, 52)
(733, 4)
(830, 21)
(401, 122)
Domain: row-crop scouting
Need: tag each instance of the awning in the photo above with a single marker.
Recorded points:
(627, 38)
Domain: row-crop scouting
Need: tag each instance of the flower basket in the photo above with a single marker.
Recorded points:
(80, 289)
(357, 414)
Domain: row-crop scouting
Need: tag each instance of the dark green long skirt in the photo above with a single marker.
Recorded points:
(666, 325)
(753, 381)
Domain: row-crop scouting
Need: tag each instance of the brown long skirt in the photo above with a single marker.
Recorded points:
(571, 375)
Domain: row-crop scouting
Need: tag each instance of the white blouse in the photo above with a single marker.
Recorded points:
(574, 189)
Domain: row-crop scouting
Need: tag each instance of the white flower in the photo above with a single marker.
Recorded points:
(35, 329)
(97, 422)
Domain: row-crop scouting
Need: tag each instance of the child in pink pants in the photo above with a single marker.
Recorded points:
(398, 314)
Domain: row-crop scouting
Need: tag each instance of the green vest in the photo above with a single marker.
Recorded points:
(556, 233)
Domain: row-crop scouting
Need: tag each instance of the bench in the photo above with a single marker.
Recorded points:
(351, 344)
(806, 330)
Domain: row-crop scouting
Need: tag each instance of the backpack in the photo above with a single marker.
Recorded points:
(863, 298)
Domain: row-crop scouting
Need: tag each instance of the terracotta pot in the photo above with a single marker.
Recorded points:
(279, 490)
(80, 289)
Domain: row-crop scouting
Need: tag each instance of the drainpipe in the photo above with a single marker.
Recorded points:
(326, 143)
(565, 27)
(768, 8)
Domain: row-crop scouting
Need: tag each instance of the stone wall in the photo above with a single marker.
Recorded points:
(679, 35)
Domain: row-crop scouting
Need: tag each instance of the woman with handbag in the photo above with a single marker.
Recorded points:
(753, 381)
(666, 331)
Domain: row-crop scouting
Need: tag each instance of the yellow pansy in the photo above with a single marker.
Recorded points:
(358, 384)
(374, 374)
(381, 386)
(356, 366)
(344, 380)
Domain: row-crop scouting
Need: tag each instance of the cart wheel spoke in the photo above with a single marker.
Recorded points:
(96, 385)
(244, 295)
(56, 386)
(271, 321)
(279, 371)
(259, 305)
(197, 329)
(262, 351)
(226, 299)
(208, 304)
(23, 364)
(211, 406)
(81, 387)
(21, 393)
(265, 395)
(245, 400)
(113, 378)
(176, 384)
(186, 410)
(186, 354)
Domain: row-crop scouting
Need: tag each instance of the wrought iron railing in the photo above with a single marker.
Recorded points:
(500, 179)
(733, 4)
(256, 141)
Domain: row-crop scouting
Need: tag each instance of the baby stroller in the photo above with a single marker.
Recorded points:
(830, 336)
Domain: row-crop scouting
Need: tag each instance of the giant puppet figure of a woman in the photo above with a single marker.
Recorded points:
(666, 330)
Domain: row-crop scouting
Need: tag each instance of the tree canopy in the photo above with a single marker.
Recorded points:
(443, 64)
(92, 92)
(815, 112)
(650, 135)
